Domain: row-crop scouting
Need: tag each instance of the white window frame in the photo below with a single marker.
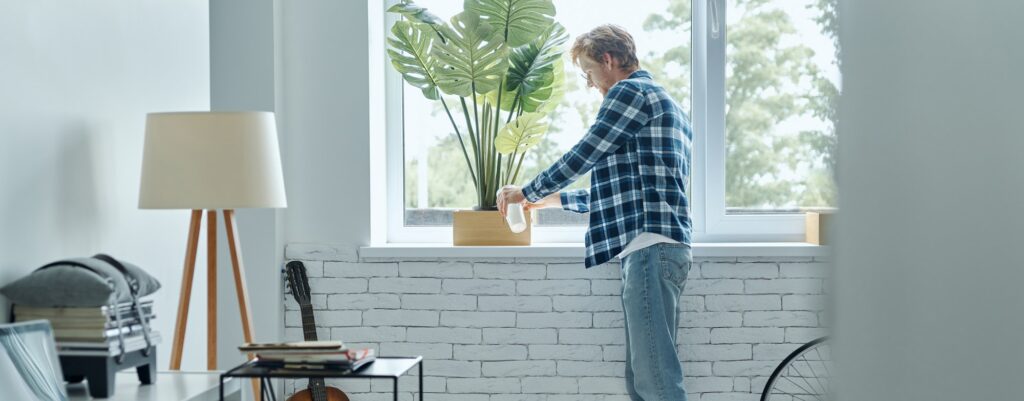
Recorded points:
(711, 223)
(709, 63)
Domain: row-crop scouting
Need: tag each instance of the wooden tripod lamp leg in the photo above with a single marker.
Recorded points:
(241, 289)
(211, 290)
(239, 270)
(186, 289)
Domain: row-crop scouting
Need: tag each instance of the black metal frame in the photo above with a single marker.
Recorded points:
(251, 370)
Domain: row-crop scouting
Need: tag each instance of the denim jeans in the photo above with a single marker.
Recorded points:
(652, 281)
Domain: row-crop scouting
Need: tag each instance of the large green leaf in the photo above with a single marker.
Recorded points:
(409, 49)
(520, 134)
(518, 21)
(473, 58)
(418, 13)
(544, 98)
(536, 71)
(547, 98)
(530, 65)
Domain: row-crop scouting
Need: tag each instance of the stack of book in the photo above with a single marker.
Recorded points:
(96, 330)
(323, 354)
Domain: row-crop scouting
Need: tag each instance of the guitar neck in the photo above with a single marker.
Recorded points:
(308, 324)
(299, 284)
(317, 389)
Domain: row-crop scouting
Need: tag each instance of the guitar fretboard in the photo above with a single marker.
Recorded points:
(308, 324)
(316, 386)
(300, 290)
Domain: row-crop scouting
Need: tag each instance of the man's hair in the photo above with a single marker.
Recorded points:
(611, 39)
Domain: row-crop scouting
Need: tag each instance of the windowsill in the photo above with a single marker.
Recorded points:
(575, 250)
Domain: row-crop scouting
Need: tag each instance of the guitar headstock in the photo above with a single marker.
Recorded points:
(298, 283)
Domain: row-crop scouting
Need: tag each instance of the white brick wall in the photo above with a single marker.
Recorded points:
(550, 330)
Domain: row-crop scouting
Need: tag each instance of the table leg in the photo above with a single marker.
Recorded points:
(396, 388)
(270, 386)
(421, 380)
(221, 387)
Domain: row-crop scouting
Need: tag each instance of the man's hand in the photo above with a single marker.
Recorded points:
(553, 200)
(509, 194)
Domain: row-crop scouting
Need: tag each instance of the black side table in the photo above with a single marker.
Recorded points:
(383, 367)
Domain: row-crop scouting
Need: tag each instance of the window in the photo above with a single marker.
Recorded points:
(780, 91)
(758, 79)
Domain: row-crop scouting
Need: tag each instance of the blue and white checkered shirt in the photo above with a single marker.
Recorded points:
(639, 153)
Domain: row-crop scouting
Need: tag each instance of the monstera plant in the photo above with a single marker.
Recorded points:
(497, 70)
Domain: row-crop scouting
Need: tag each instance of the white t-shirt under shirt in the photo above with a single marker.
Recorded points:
(644, 240)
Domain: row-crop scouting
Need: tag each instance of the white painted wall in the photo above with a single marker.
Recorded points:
(324, 113)
(77, 80)
(242, 77)
(316, 83)
(929, 261)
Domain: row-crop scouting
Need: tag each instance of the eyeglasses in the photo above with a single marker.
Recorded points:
(586, 78)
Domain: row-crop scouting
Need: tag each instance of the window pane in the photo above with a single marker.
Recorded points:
(436, 177)
(782, 82)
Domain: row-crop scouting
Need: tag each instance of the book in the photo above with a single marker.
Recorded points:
(95, 334)
(68, 312)
(294, 351)
(134, 338)
(83, 319)
(90, 323)
(347, 359)
(298, 357)
(107, 348)
(300, 346)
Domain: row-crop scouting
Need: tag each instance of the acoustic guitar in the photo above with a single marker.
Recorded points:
(298, 282)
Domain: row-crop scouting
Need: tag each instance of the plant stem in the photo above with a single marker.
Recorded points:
(497, 178)
(488, 161)
(518, 166)
(508, 168)
(511, 113)
(512, 110)
(476, 148)
(479, 132)
(511, 157)
(458, 134)
(497, 120)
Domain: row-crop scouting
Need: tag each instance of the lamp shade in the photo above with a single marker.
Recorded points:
(211, 160)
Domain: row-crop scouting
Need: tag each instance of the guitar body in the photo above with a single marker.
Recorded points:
(333, 394)
(298, 283)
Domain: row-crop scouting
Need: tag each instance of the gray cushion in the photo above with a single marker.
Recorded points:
(73, 286)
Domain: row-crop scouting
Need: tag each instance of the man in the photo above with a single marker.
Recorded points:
(638, 153)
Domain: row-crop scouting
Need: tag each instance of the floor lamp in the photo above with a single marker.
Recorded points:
(210, 161)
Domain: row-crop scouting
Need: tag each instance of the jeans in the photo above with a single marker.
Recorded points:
(652, 281)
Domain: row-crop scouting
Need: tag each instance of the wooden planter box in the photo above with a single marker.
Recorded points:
(818, 227)
(487, 227)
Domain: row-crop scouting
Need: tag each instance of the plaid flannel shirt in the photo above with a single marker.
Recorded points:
(638, 151)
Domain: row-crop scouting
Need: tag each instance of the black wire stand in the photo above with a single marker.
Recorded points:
(381, 368)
